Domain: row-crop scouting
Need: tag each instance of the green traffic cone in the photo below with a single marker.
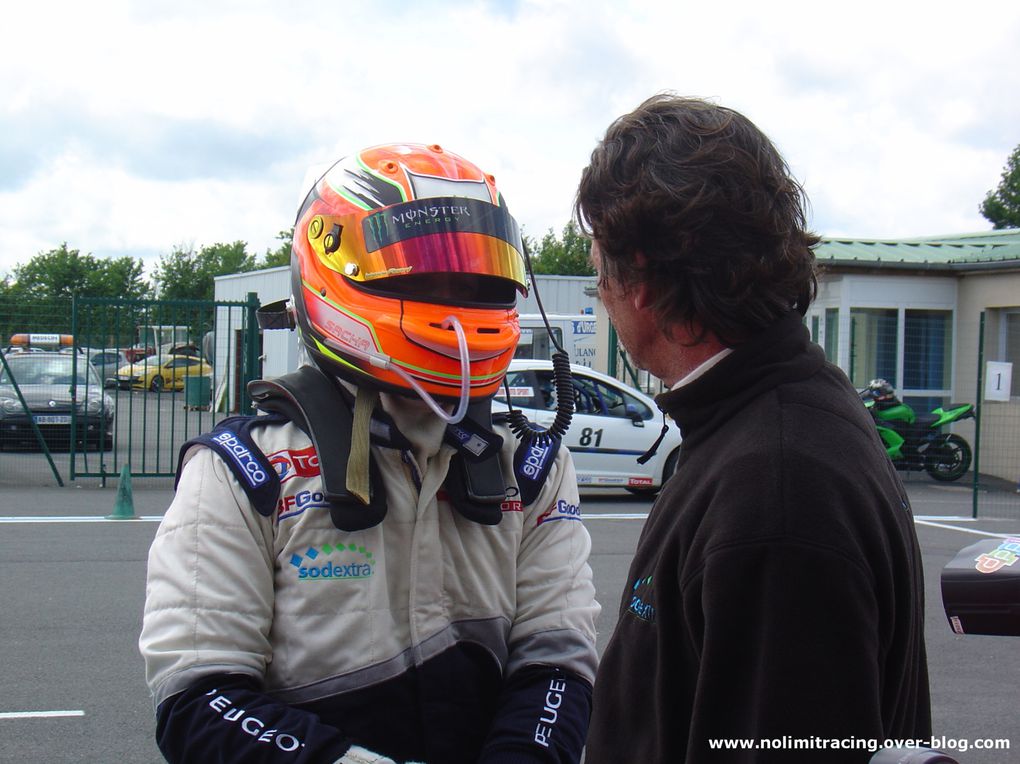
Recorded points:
(124, 509)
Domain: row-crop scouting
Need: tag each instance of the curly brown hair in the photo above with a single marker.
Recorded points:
(709, 203)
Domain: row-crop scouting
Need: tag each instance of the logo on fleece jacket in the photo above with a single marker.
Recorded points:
(639, 596)
(332, 563)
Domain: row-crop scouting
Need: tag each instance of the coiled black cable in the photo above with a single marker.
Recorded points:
(519, 424)
(528, 431)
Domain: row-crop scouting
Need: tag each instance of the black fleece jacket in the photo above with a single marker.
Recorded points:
(776, 591)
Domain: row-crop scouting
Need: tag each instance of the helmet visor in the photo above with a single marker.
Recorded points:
(437, 235)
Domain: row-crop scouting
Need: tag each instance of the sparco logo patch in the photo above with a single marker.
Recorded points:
(334, 563)
(535, 459)
(291, 464)
(239, 452)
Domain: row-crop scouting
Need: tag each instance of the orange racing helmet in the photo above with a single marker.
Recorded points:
(405, 271)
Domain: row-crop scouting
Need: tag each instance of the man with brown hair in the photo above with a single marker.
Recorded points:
(776, 594)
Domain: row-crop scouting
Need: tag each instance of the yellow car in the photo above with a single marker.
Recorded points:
(158, 373)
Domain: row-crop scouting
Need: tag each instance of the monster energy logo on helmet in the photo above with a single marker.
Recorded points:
(441, 215)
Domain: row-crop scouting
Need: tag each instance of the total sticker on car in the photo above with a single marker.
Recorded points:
(639, 482)
(291, 464)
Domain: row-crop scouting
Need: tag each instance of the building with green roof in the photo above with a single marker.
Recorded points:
(937, 316)
(992, 250)
(928, 315)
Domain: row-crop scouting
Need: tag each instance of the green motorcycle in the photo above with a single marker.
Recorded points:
(916, 443)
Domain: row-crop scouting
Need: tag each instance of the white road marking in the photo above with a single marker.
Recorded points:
(918, 520)
(80, 519)
(38, 714)
(947, 518)
(965, 530)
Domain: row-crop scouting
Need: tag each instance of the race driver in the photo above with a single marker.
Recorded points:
(372, 570)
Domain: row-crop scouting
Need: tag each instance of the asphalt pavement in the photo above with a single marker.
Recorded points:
(73, 590)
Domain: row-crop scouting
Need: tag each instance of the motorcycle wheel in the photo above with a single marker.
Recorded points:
(948, 459)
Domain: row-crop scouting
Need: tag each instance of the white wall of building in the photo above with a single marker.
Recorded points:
(559, 294)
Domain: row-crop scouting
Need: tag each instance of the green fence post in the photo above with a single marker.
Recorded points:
(977, 415)
(614, 345)
(31, 418)
(74, 387)
(251, 355)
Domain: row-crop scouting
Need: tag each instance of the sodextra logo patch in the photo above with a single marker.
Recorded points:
(334, 563)
(240, 453)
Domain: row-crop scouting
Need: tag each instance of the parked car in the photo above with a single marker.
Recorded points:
(107, 361)
(158, 372)
(613, 424)
(55, 397)
(176, 348)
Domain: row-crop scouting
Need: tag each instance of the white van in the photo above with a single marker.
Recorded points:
(574, 333)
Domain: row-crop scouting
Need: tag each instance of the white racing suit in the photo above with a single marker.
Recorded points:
(428, 637)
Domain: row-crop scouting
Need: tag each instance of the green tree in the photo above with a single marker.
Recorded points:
(1001, 207)
(185, 274)
(280, 255)
(568, 255)
(6, 288)
(64, 272)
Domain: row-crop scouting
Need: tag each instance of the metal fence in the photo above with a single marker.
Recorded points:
(169, 370)
(934, 362)
(93, 386)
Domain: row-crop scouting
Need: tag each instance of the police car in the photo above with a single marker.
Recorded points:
(613, 424)
(54, 391)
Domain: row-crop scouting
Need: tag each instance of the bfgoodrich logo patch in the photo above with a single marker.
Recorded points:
(334, 563)
(561, 510)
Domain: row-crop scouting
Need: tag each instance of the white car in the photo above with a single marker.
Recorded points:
(613, 424)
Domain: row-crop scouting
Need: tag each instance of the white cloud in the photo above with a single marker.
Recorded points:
(128, 127)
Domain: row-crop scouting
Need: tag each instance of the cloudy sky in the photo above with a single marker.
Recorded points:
(131, 127)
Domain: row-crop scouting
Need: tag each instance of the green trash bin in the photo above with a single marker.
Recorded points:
(197, 392)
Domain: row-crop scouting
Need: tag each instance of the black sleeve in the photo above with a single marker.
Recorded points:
(226, 718)
(790, 645)
(542, 717)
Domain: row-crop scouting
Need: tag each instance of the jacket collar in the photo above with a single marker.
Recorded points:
(782, 352)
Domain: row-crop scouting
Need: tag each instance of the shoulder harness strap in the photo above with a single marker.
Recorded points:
(533, 459)
(232, 440)
(318, 406)
(474, 481)
(315, 403)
